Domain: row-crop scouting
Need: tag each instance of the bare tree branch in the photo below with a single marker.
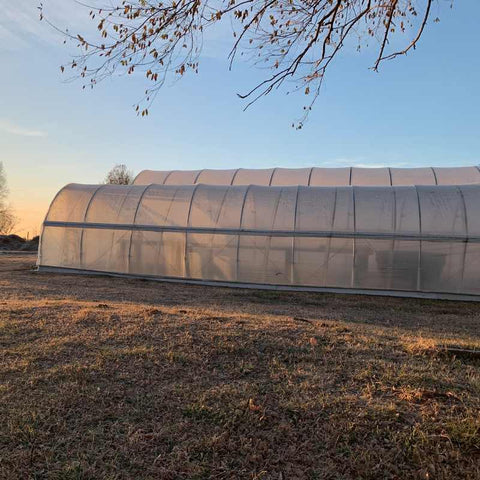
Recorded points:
(296, 39)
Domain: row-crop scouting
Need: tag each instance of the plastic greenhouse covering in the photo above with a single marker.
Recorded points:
(408, 240)
(315, 177)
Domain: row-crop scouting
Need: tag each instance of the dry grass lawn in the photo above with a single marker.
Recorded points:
(106, 378)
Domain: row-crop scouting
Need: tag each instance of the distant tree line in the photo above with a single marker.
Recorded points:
(8, 220)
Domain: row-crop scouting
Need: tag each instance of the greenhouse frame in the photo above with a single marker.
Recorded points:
(420, 241)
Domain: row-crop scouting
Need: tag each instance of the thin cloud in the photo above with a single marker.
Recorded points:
(362, 163)
(9, 127)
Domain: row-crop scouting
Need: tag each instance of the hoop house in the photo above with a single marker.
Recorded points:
(323, 177)
(413, 241)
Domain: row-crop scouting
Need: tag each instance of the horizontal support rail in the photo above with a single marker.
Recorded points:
(268, 233)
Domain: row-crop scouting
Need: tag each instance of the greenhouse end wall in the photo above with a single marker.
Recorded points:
(396, 240)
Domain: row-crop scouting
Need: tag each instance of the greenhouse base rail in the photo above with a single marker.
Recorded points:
(260, 286)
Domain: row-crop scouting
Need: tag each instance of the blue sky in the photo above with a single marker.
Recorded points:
(423, 109)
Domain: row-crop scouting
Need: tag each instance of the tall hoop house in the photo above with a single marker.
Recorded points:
(419, 240)
(315, 176)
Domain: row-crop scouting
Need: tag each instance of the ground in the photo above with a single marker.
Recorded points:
(109, 378)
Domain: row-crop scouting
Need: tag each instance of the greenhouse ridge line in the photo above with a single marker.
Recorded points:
(272, 233)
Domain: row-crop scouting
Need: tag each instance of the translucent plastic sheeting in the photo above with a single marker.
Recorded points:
(409, 239)
(322, 177)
